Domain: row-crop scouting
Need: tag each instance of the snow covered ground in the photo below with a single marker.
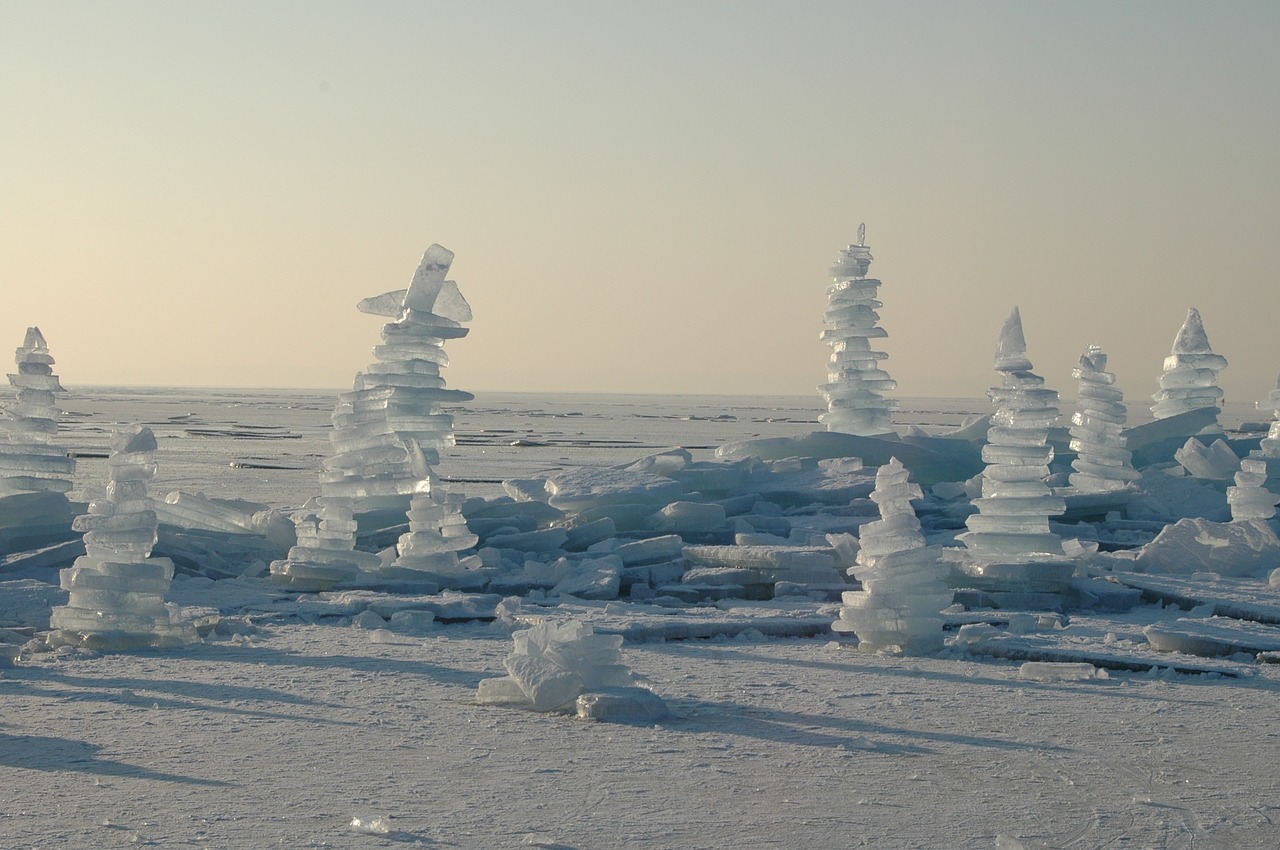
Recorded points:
(293, 727)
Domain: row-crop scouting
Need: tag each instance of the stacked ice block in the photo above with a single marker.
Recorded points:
(1102, 462)
(903, 582)
(1190, 377)
(29, 463)
(116, 589)
(1009, 544)
(855, 381)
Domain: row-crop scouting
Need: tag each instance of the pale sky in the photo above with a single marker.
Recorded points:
(642, 196)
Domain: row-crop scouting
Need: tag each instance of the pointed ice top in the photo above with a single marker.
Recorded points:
(1192, 339)
(862, 233)
(34, 340)
(429, 279)
(1011, 349)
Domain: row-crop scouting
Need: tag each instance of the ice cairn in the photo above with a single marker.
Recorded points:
(1009, 547)
(387, 433)
(903, 582)
(1190, 378)
(116, 589)
(1102, 462)
(29, 463)
(855, 381)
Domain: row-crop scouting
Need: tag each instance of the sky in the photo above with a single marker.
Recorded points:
(642, 197)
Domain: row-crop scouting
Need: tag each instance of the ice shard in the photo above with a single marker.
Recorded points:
(387, 431)
(1009, 545)
(856, 384)
(116, 588)
(1102, 462)
(903, 581)
(1190, 377)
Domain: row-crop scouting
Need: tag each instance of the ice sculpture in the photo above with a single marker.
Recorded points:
(552, 663)
(29, 463)
(437, 529)
(1102, 462)
(116, 589)
(1190, 377)
(1009, 545)
(903, 581)
(855, 381)
(388, 430)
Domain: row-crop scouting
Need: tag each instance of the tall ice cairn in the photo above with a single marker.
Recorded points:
(387, 434)
(1009, 544)
(855, 381)
(1097, 428)
(1190, 377)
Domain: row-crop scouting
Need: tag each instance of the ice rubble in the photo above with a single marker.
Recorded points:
(387, 433)
(116, 589)
(855, 382)
(903, 581)
(35, 475)
(1190, 377)
(1009, 544)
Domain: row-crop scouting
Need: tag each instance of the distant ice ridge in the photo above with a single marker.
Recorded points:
(387, 433)
(855, 381)
(1190, 377)
(116, 589)
(1102, 462)
(903, 582)
(1009, 544)
(29, 463)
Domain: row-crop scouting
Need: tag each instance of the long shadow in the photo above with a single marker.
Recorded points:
(963, 679)
(790, 727)
(210, 697)
(364, 664)
(33, 752)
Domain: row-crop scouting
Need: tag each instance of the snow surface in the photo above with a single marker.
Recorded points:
(350, 719)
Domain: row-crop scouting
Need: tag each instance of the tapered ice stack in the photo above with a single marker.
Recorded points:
(437, 530)
(388, 430)
(903, 582)
(116, 589)
(1102, 462)
(29, 463)
(1190, 377)
(1009, 545)
(855, 381)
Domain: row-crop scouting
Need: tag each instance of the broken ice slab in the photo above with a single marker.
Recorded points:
(1060, 671)
(1238, 598)
(1213, 637)
(621, 705)
(1195, 545)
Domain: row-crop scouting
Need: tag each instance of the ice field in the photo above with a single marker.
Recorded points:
(290, 723)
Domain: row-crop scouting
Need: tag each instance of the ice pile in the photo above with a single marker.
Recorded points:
(903, 582)
(553, 663)
(1009, 544)
(437, 532)
(116, 590)
(28, 461)
(387, 433)
(855, 381)
(1102, 462)
(1190, 378)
